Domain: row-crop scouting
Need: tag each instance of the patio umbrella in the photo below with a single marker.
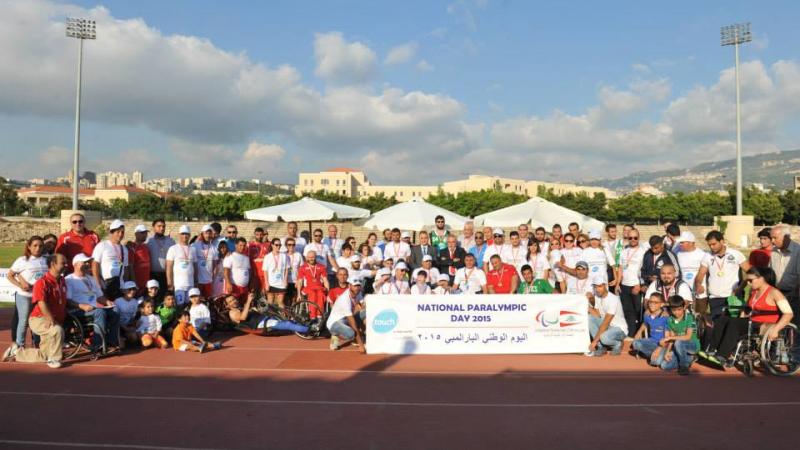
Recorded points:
(415, 214)
(306, 210)
(537, 212)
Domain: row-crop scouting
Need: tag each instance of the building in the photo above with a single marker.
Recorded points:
(486, 183)
(649, 189)
(340, 180)
(120, 192)
(138, 179)
(40, 196)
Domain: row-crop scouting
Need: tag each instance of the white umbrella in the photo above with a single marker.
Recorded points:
(305, 210)
(415, 214)
(539, 212)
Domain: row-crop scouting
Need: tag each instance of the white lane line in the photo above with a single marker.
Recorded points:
(62, 444)
(396, 404)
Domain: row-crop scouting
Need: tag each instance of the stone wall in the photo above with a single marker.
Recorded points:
(20, 231)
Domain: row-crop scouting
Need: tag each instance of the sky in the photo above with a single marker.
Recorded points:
(412, 92)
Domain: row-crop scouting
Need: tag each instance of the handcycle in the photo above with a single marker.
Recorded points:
(300, 312)
(756, 350)
(79, 333)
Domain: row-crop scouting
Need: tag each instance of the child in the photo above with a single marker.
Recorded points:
(149, 327)
(681, 337)
(152, 290)
(421, 286)
(128, 307)
(444, 285)
(168, 314)
(655, 324)
(182, 337)
(199, 314)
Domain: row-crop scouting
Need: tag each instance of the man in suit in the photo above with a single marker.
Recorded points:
(451, 258)
(419, 251)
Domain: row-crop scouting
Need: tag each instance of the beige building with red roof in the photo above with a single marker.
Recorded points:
(42, 195)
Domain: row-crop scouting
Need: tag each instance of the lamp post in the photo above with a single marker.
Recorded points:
(80, 29)
(734, 35)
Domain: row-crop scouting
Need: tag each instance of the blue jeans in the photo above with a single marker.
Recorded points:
(23, 304)
(106, 320)
(646, 347)
(613, 337)
(342, 329)
(682, 352)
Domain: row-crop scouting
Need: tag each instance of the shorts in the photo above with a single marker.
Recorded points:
(206, 290)
(240, 292)
(275, 290)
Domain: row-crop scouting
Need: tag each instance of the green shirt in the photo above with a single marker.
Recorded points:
(679, 327)
(439, 242)
(167, 314)
(537, 287)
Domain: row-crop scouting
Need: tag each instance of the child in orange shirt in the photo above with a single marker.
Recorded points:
(183, 334)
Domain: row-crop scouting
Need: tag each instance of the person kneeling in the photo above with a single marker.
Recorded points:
(347, 312)
(655, 325)
(607, 325)
(681, 340)
(253, 321)
(149, 327)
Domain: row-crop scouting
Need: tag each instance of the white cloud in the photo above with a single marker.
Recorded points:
(401, 54)
(342, 62)
(424, 66)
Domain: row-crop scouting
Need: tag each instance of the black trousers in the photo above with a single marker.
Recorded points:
(727, 333)
(632, 307)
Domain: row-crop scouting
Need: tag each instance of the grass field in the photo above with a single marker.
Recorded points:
(10, 252)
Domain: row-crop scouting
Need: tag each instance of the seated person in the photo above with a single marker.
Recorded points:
(443, 287)
(127, 306)
(427, 266)
(186, 339)
(768, 306)
(253, 321)
(168, 313)
(420, 285)
(655, 325)
(199, 313)
(607, 325)
(529, 285)
(668, 284)
(347, 317)
(681, 341)
(85, 296)
(149, 327)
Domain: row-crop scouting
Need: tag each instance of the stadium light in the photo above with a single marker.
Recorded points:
(735, 35)
(80, 29)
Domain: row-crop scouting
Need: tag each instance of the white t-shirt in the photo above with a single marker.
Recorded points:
(416, 289)
(393, 287)
(295, 261)
(513, 255)
(397, 251)
(200, 316)
(30, 270)
(239, 266)
(344, 261)
(631, 260)
(495, 249)
(149, 324)
(576, 286)
(555, 273)
(611, 304)
(299, 244)
(183, 262)
(723, 272)
(111, 257)
(571, 257)
(690, 264)
(683, 290)
(433, 274)
(335, 246)
(342, 307)
(322, 252)
(205, 255)
(597, 260)
(276, 270)
(127, 309)
(470, 281)
(539, 265)
(83, 290)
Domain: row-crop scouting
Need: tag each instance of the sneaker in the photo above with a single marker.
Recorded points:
(683, 371)
(217, 345)
(616, 351)
(334, 343)
(10, 352)
(53, 364)
(202, 347)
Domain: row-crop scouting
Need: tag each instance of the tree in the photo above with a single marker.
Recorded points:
(10, 204)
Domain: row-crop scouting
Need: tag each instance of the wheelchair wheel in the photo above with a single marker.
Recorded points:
(748, 367)
(777, 354)
(74, 337)
(308, 314)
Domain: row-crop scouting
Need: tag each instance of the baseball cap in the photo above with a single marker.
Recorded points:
(498, 231)
(194, 292)
(686, 236)
(128, 285)
(383, 272)
(206, 228)
(355, 258)
(400, 266)
(79, 258)
(443, 277)
(599, 279)
(427, 258)
(185, 229)
(355, 281)
(152, 284)
(594, 234)
(140, 229)
(405, 234)
(583, 264)
(115, 225)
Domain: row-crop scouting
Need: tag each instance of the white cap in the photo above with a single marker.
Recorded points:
(128, 285)
(400, 265)
(404, 235)
(355, 258)
(443, 277)
(79, 258)
(194, 292)
(686, 236)
(185, 229)
(598, 279)
(355, 281)
(595, 234)
(206, 228)
(498, 231)
(383, 271)
(116, 224)
(153, 284)
(427, 258)
(140, 229)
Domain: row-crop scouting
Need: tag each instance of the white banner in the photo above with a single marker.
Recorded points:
(7, 289)
(476, 324)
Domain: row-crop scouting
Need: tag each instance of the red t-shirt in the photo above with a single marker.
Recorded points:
(141, 264)
(256, 252)
(312, 276)
(53, 292)
(70, 244)
(501, 279)
(335, 292)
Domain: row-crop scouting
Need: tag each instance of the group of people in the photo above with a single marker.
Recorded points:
(152, 289)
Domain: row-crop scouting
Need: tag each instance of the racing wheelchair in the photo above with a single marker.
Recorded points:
(79, 332)
(299, 312)
(756, 351)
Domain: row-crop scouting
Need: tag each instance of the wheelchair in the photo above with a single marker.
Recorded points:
(79, 332)
(299, 312)
(775, 357)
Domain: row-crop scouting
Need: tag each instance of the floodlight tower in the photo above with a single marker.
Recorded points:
(80, 29)
(734, 35)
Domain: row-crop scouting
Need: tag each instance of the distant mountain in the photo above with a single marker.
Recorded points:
(772, 170)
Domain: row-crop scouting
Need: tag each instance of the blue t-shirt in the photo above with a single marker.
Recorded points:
(656, 326)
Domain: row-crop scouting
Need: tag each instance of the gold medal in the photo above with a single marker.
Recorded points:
(720, 274)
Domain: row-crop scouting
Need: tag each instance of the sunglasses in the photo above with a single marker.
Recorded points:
(440, 221)
(277, 245)
(233, 232)
(77, 221)
(290, 244)
(633, 238)
(582, 241)
(498, 235)
(317, 235)
(569, 241)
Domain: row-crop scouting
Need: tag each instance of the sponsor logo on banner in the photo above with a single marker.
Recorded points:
(385, 321)
(557, 318)
(7, 290)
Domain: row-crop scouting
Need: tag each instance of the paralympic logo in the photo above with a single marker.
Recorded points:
(557, 318)
(385, 321)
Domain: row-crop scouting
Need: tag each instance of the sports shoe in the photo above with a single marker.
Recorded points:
(53, 364)
(683, 371)
(10, 352)
(217, 345)
(616, 351)
(334, 343)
